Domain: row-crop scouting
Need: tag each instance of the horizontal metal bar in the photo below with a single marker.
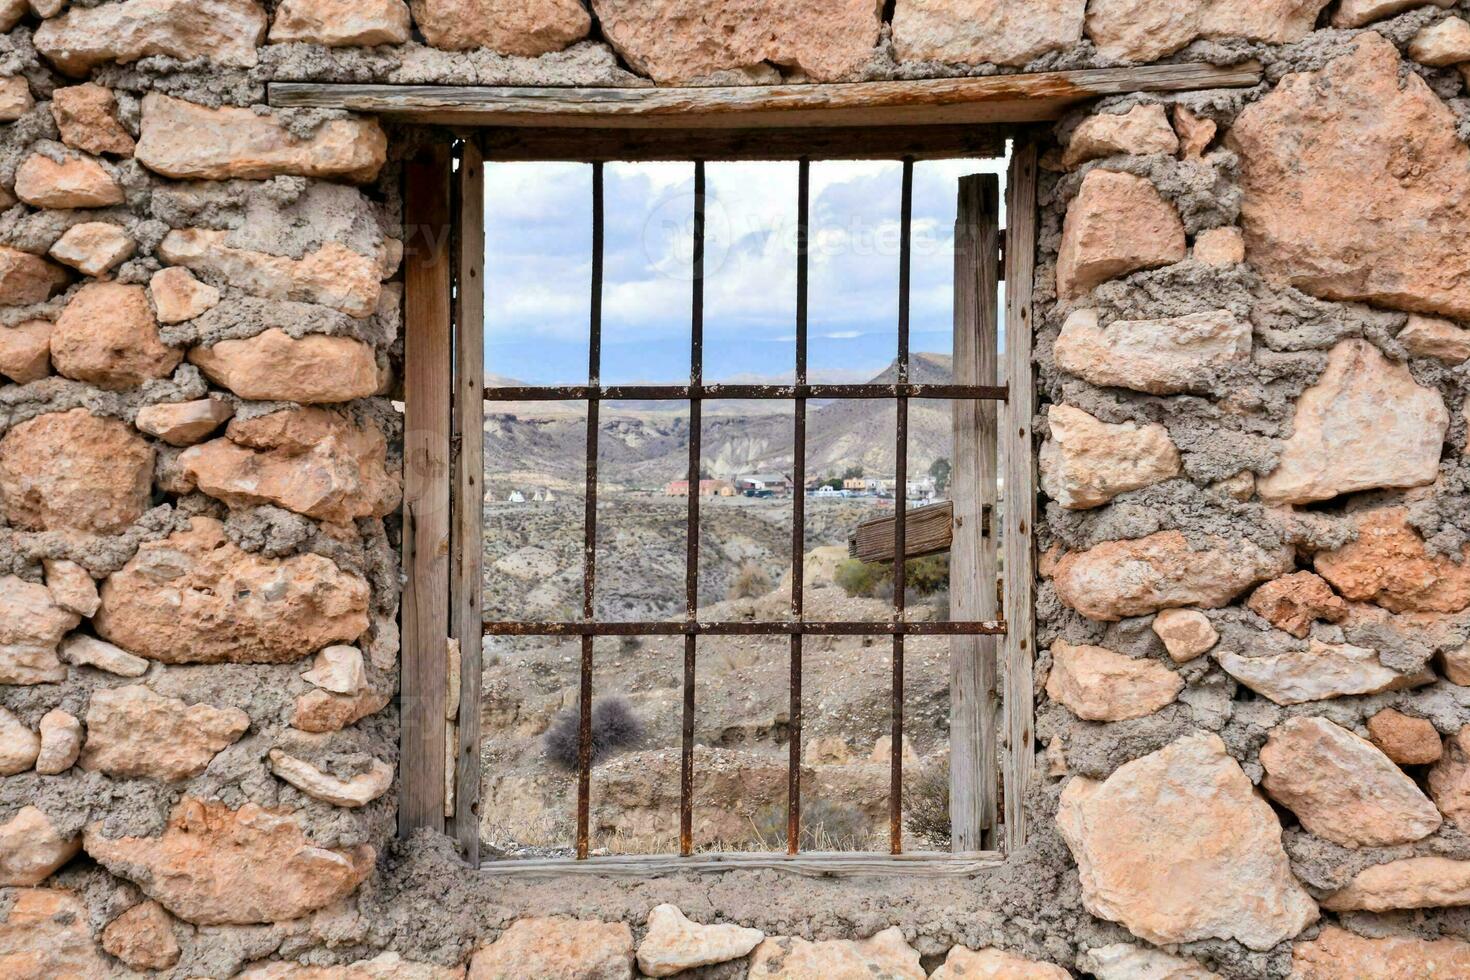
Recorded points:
(696, 628)
(811, 864)
(684, 393)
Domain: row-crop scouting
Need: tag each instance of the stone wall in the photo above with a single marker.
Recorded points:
(1255, 612)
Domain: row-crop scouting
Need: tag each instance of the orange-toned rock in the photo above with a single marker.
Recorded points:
(885, 955)
(384, 966)
(1220, 247)
(1125, 961)
(93, 247)
(332, 275)
(1117, 224)
(1187, 633)
(61, 742)
(15, 98)
(557, 948)
(1388, 565)
(45, 935)
(1406, 740)
(1118, 579)
(308, 460)
(1311, 221)
(1430, 336)
(1294, 602)
(107, 336)
(679, 40)
(1337, 954)
(1088, 462)
(322, 711)
(27, 278)
(355, 791)
(77, 182)
(341, 23)
(1177, 846)
(185, 423)
(528, 28)
(31, 848)
(1195, 134)
(1146, 30)
(272, 366)
(976, 32)
(1142, 130)
(1449, 780)
(196, 598)
(71, 586)
(1342, 788)
(217, 866)
(31, 627)
(224, 31)
(1409, 883)
(178, 296)
(133, 732)
(143, 937)
(1365, 424)
(1356, 13)
(25, 351)
(1318, 673)
(1161, 357)
(86, 115)
(994, 964)
(74, 471)
(1099, 684)
(181, 139)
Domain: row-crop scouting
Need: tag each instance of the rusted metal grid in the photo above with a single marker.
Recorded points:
(691, 627)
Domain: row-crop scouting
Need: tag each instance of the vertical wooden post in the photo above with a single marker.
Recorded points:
(468, 499)
(973, 775)
(427, 382)
(1018, 457)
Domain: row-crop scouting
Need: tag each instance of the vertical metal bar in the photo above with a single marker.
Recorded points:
(691, 556)
(798, 511)
(589, 529)
(900, 501)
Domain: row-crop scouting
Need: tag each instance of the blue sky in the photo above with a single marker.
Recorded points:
(538, 269)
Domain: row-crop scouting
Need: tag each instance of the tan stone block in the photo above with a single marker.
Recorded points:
(557, 948)
(1118, 224)
(185, 423)
(674, 944)
(1146, 30)
(886, 955)
(1388, 564)
(384, 966)
(1442, 44)
(322, 711)
(107, 336)
(976, 32)
(338, 669)
(1294, 602)
(332, 275)
(93, 247)
(1087, 462)
(528, 28)
(1195, 133)
(1142, 130)
(273, 366)
(77, 182)
(962, 963)
(1406, 740)
(15, 98)
(133, 732)
(1318, 673)
(1187, 633)
(178, 296)
(1220, 247)
(1409, 883)
(143, 937)
(1457, 665)
(45, 934)
(31, 626)
(61, 743)
(226, 32)
(31, 848)
(27, 278)
(1125, 961)
(11, 11)
(25, 351)
(1428, 336)
(1337, 954)
(341, 23)
(19, 746)
(356, 791)
(74, 471)
(86, 115)
(1099, 684)
(1449, 780)
(1356, 13)
(88, 651)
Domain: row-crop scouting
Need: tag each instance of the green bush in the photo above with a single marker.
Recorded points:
(867, 580)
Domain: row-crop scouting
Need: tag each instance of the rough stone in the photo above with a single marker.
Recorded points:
(359, 790)
(1428, 336)
(88, 651)
(332, 275)
(93, 247)
(1364, 424)
(107, 336)
(1099, 684)
(1342, 788)
(217, 866)
(792, 958)
(133, 732)
(273, 366)
(74, 471)
(1142, 130)
(1224, 873)
(31, 626)
(1320, 672)
(963, 963)
(1087, 462)
(1388, 564)
(322, 711)
(1118, 579)
(338, 669)
(674, 944)
(1146, 30)
(1125, 961)
(76, 182)
(513, 27)
(194, 597)
(45, 934)
(1117, 224)
(61, 742)
(184, 140)
(31, 848)
(1409, 883)
(1449, 780)
(27, 278)
(1337, 954)
(1356, 13)
(86, 115)
(25, 351)
(226, 32)
(15, 98)
(1443, 44)
(1195, 136)
(1406, 740)
(1294, 602)
(681, 40)
(384, 966)
(1311, 221)
(1187, 633)
(178, 296)
(1219, 247)
(143, 937)
(1457, 665)
(185, 423)
(1160, 357)
(977, 32)
(341, 23)
(19, 746)
(557, 948)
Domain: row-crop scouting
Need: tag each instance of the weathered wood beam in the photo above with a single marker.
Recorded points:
(927, 531)
(1016, 98)
(521, 143)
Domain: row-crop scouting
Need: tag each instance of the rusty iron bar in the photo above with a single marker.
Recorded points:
(739, 392)
(589, 530)
(679, 627)
(691, 555)
(798, 513)
(900, 504)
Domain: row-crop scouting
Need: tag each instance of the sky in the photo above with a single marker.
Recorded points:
(538, 269)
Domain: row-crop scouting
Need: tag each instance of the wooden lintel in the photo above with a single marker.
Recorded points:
(509, 144)
(927, 531)
(1013, 98)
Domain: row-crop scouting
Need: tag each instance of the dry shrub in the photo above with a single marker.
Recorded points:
(615, 726)
(751, 582)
